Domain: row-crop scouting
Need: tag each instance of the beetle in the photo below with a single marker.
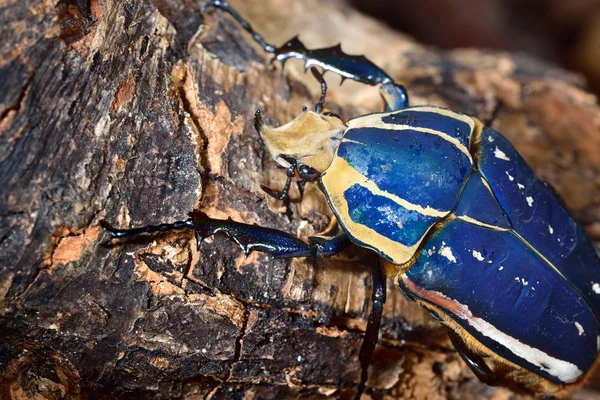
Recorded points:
(460, 222)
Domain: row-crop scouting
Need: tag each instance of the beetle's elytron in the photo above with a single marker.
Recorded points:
(463, 225)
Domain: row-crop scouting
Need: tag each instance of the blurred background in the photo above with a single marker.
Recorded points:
(565, 32)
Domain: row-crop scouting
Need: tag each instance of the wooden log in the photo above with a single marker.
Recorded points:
(133, 112)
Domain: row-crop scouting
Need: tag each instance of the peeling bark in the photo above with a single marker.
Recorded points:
(126, 111)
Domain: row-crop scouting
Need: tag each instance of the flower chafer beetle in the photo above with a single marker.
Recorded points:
(462, 224)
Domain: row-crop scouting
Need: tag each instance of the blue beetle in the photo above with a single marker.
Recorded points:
(463, 225)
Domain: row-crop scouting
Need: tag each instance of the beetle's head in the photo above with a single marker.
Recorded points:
(308, 142)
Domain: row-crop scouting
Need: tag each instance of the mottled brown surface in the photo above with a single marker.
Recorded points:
(124, 111)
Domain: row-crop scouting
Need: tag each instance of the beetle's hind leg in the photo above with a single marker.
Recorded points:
(372, 332)
(474, 361)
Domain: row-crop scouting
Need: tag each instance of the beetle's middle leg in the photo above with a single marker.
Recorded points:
(248, 237)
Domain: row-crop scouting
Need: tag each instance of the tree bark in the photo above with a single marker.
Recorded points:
(128, 111)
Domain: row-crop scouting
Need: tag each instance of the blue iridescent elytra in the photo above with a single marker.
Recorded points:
(497, 252)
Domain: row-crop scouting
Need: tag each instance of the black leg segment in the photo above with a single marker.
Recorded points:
(123, 233)
(474, 361)
(372, 333)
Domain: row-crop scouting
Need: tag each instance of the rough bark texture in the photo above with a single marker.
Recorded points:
(122, 110)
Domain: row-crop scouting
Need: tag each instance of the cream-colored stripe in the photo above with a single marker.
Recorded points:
(561, 369)
(479, 223)
(356, 177)
(428, 211)
(344, 140)
(376, 121)
(338, 178)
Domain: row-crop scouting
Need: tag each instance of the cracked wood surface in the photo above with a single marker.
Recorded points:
(126, 111)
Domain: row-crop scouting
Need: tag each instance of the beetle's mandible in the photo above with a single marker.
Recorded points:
(463, 225)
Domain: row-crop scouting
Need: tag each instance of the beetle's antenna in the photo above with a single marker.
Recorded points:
(258, 121)
(319, 76)
(223, 5)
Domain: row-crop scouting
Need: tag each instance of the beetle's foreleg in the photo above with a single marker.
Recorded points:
(358, 68)
(474, 361)
(372, 333)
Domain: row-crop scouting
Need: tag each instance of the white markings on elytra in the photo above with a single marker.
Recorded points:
(579, 328)
(529, 201)
(431, 251)
(446, 251)
(490, 139)
(550, 229)
(565, 371)
(501, 268)
(596, 287)
(511, 178)
(522, 281)
(520, 186)
(477, 255)
(500, 154)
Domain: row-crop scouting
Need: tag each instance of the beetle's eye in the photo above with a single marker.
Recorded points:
(307, 173)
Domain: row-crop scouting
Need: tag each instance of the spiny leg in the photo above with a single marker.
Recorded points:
(275, 242)
(358, 68)
(372, 333)
(474, 361)
(248, 237)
